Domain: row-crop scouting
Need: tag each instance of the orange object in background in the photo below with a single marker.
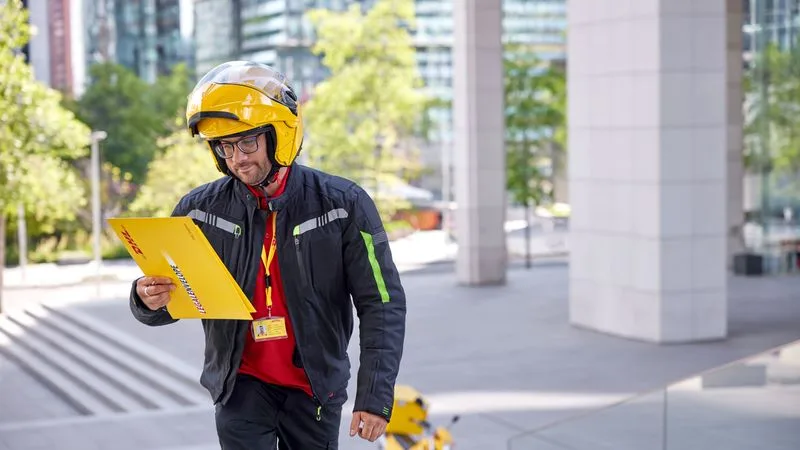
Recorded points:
(422, 218)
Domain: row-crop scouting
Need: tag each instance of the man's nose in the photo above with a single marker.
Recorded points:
(239, 156)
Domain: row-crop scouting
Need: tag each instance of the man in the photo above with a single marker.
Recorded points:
(300, 243)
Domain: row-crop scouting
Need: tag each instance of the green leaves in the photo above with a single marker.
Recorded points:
(361, 121)
(772, 115)
(37, 135)
(133, 113)
(14, 27)
(52, 190)
(535, 102)
(184, 164)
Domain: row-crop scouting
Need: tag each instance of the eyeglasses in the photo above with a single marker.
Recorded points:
(247, 145)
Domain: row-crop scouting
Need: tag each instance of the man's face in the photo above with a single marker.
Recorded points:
(251, 168)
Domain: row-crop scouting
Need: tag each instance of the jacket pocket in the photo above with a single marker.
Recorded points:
(301, 266)
(223, 233)
(374, 378)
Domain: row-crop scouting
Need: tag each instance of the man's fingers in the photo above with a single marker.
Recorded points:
(155, 292)
(376, 431)
(159, 280)
(355, 423)
(158, 301)
(144, 282)
(367, 430)
(154, 281)
(373, 426)
(158, 289)
(378, 426)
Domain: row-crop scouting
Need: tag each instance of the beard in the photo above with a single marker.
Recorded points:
(251, 173)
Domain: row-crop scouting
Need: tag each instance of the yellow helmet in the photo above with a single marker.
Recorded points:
(240, 98)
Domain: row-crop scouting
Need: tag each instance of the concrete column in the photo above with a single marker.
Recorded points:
(648, 133)
(735, 129)
(479, 155)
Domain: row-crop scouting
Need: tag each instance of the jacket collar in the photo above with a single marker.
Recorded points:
(293, 184)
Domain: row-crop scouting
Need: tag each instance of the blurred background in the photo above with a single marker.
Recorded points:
(589, 181)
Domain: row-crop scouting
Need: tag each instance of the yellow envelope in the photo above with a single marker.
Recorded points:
(175, 247)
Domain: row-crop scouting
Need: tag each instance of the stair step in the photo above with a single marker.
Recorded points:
(159, 388)
(65, 388)
(132, 347)
(79, 387)
(125, 384)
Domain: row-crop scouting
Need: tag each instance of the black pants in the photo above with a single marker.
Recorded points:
(258, 413)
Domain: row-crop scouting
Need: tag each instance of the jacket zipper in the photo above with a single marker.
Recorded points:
(229, 368)
(375, 366)
(301, 268)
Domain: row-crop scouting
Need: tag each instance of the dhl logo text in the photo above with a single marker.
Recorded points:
(131, 242)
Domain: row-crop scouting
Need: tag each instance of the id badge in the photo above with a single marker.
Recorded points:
(268, 329)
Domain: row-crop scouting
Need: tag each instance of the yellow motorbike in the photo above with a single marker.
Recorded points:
(409, 428)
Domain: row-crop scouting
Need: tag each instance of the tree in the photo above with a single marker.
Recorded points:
(535, 105)
(361, 121)
(772, 123)
(165, 185)
(169, 94)
(773, 109)
(132, 112)
(37, 135)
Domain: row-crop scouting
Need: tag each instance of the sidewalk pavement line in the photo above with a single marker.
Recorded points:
(164, 360)
(38, 425)
(21, 287)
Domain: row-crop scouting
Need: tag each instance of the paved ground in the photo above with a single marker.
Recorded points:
(503, 357)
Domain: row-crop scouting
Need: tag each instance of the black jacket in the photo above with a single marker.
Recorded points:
(331, 245)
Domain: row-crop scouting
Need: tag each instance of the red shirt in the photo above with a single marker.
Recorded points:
(271, 361)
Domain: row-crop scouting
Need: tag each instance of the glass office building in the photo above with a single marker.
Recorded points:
(433, 38)
(170, 47)
(273, 32)
(774, 20)
(100, 31)
(539, 24)
(216, 35)
(148, 36)
(277, 33)
(772, 115)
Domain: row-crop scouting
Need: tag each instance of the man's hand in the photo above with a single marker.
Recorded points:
(154, 291)
(373, 426)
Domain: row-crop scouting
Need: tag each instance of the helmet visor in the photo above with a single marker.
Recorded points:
(262, 77)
